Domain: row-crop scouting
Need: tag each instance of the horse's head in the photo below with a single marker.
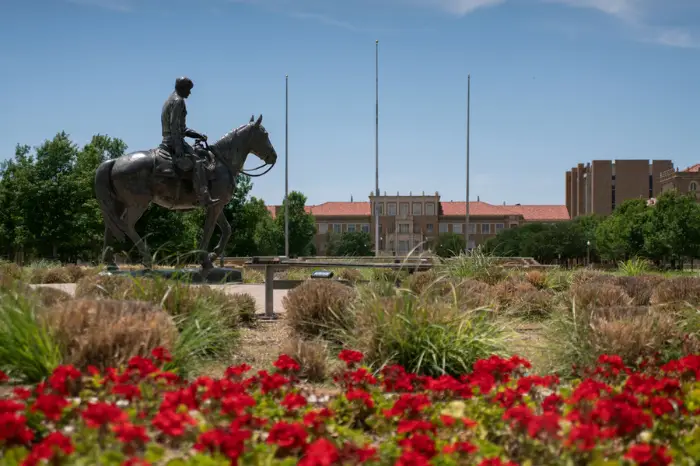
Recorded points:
(259, 141)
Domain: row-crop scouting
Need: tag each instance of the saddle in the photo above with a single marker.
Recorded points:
(182, 167)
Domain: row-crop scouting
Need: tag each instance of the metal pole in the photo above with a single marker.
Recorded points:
(286, 166)
(376, 148)
(466, 222)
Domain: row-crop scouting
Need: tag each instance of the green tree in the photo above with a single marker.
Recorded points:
(621, 235)
(672, 230)
(302, 226)
(354, 243)
(449, 244)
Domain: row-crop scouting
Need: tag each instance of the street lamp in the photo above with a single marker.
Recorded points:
(588, 253)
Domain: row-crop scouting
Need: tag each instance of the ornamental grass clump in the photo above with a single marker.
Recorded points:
(425, 336)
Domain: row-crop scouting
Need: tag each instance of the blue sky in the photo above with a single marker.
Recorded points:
(554, 82)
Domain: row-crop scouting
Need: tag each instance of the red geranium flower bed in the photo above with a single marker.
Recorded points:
(496, 415)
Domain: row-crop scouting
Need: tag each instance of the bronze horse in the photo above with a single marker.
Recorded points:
(127, 185)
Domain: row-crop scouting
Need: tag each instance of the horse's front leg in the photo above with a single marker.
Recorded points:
(213, 213)
(225, 228)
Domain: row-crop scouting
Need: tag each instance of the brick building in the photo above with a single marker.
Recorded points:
(683, 181)
(601, 185)
(408, 221)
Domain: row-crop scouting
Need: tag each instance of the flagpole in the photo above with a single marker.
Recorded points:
(376, 147)
(466, 223)
(286, 165)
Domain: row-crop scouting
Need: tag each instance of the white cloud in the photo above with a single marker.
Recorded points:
(625, 9)
(460, 7)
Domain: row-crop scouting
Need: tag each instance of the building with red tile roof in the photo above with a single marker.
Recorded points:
(410, 221)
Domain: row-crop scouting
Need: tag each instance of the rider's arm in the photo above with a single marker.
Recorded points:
(177, 123)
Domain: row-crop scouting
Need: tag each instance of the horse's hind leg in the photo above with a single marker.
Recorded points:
(108, 243)
(133, 214)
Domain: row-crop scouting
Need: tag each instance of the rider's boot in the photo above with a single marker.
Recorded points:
(200, 184)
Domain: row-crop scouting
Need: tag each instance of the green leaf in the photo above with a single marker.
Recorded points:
(154, 453)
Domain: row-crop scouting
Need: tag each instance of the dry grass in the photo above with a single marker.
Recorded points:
(106, 333)
(677, 290)
(595, 293)
(312, 356)
(640, 288)
(318, 308)
(537, 278)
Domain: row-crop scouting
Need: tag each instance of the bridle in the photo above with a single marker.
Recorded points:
(228, 165)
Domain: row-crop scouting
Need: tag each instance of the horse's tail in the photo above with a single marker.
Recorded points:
(106, 199)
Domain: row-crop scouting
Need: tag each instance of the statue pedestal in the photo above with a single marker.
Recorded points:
(217, 275)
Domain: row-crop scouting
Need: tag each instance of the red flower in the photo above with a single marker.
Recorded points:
(136, 462)
(293, 401)
(410, 426)
(649, 455)
(412, 458)
(288, 435)
(101, 413)
(321, 452)
(10, 406)
(50, 405)
(420, 443)
(286, 364)
(54, 444)
(237, 403)
(460, 447)
(58, 381)
(171, 423)
(22, 393)
(161, 354)
(128, 433)
(270, 383)
(496, 462)
(127, 391)
(231, 442)
(350, 357)
(235, 372)
(408, 404)
(3, 377)
(583, 437)
(359, 394)
(13, 429)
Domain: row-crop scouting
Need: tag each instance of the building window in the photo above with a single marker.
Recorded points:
(485, 228)
(403, 246)
(651, 186)
(443, 228)
(416, 228)
(351, 227)
(403, 209)
(403, 227)
(513, 225)
(457, 228)
(337, 228)
(323, 228)
(693, 186)
(379, 208)
(417, 208)
(365, 228)
(472, 228)
(391, 208)
(429, 208)
(429, 227)
(499, 227)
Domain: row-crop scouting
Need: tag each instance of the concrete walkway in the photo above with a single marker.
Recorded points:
(256, 290)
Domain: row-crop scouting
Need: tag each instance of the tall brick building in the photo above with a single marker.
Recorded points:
(407, 221)
(601, 185)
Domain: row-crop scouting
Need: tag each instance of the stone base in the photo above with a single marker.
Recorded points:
(217, 275)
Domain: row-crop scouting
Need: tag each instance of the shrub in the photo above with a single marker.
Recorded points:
(472, 294)
(351, 275)
(533, 304)
(536, 278)
(319, 308)
(599, 294)
(505, 293)
(104, 286)
(252, 275)
(107, 333)
(558, 280)
(633, 267)
(640, 288)
(677, 290)
(28, 351)
(48, 296)
(10, 270)
(312, 356)
(425, 337)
